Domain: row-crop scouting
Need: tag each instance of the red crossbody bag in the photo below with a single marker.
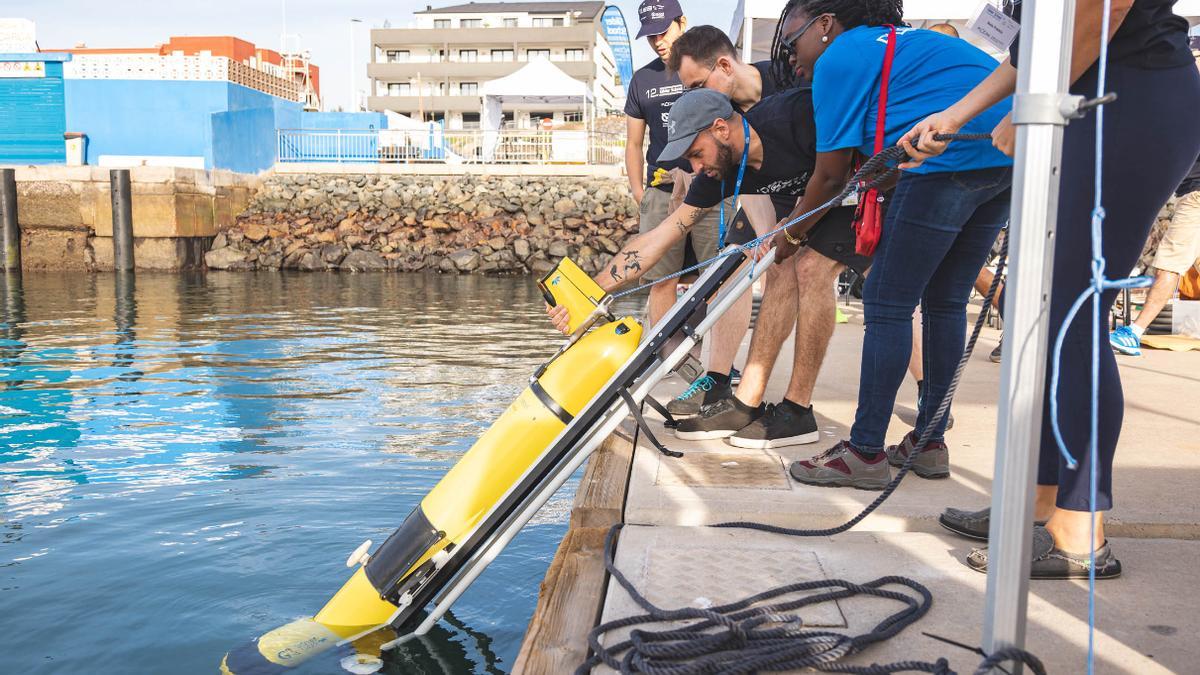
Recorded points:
(868, 219)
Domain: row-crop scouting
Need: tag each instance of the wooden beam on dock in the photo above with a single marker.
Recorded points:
(571, 596)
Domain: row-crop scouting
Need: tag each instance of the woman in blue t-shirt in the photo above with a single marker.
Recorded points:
(940, 222)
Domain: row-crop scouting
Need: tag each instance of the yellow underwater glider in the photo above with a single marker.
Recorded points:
(573, 401)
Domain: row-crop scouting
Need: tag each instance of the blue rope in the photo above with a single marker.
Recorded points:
(1094, 292)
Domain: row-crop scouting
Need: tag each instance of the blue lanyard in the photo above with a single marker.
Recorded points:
(737, 186)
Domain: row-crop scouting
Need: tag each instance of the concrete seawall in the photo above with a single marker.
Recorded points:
(65, 214)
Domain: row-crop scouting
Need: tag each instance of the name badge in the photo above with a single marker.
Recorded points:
(994, 26)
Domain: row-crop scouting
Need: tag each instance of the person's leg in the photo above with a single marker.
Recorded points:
(816, 303)
(1178, 250)
(949, 289)
(1165, 283)
(1153, 118)
(916, 366)
(776, 319)
(652, 211)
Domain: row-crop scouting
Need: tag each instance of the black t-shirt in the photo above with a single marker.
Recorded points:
(768, 82)
(784, 124)
(1151, 36)
(652, 92)
(1191, 182)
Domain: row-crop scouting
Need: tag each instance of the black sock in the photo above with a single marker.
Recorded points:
(718, 377)
(795, 406)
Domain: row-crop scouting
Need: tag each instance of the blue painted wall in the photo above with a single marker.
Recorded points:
(32, 113)
(356, 121)
(230, 126)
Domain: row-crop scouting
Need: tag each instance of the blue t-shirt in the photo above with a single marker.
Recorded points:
(930, 72)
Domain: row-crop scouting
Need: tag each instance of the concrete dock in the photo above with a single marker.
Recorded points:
(1143, 618)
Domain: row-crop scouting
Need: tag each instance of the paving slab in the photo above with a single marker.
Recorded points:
(1158, 460)
(1146, 619)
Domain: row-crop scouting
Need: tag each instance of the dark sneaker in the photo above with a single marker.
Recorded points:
(970, 524)
(844, 466)
(921, 397)
(780, 426)
(932, 461)
(703, 390)
(995, 355)
(1051, 562)
(720, 419)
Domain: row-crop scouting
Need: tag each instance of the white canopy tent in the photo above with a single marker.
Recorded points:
(539, 82)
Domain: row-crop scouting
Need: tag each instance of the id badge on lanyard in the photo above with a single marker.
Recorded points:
(991, 24)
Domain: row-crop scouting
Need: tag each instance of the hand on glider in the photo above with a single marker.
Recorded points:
(1004, 136)
(560, 318)
(922, 137)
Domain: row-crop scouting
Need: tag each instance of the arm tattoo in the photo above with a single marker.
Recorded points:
(633, 261)
(612, 272)
(689, 220)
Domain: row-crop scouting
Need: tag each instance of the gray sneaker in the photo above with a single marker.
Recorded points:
(932, 461)
(994, 357)
(970, 524)
(702, 391)
(844, 466)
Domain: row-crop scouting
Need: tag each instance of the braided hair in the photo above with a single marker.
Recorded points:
(849, 13)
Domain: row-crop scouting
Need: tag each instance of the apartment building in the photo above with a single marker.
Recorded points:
(435, 69)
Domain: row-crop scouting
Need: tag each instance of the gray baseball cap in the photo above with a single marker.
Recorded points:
(692, 113)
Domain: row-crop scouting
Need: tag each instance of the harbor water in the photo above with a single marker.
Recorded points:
(187, 461)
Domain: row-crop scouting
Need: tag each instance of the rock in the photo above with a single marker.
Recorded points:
(573, 223)
(310, 262)
(564, 206)
(520, 248)
(219, 241)
(225, 258)
(328, 236)
(464, 260)
(255, 233)
(558, 249)
(363, 261)
(541, 267)
(607, 245)
(496, 243)
(391, 199)
(332, 253)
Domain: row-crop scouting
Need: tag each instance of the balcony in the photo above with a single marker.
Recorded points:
(404, 38)
(480, 71)
(431, 103)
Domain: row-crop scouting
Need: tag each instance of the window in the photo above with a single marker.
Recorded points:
(468, 88)
(546, 22)
(470, 120)
(502, 55)
(470, 23)
(573, 54)
(468, 55)
(399, 89)
(533, 54)
(576, 116)
(398, 56)
(510, 23)
(441, 23)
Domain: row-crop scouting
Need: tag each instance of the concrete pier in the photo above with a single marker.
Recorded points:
(1143, 618)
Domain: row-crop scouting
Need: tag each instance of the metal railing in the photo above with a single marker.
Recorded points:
(435, 145)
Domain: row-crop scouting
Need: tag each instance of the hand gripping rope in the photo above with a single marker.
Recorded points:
(747, 635)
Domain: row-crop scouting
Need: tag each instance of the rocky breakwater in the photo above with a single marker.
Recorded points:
(458, 224)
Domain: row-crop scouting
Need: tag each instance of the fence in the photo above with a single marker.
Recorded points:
(435, 145)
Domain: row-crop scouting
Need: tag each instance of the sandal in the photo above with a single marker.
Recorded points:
(1051, 562)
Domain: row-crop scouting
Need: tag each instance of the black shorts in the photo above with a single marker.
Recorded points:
(833, 237)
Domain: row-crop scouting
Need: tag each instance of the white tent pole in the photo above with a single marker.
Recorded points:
(1039, 113)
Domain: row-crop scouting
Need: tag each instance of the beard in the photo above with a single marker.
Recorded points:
(726, 165)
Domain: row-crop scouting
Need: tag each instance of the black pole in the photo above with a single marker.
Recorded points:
(10, 238)
(122, 220)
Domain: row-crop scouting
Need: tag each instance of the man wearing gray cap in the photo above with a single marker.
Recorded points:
(777, 138)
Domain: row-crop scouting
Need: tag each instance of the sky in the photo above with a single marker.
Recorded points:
(323, 26)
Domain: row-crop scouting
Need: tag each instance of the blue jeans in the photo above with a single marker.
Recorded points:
(936, 235)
